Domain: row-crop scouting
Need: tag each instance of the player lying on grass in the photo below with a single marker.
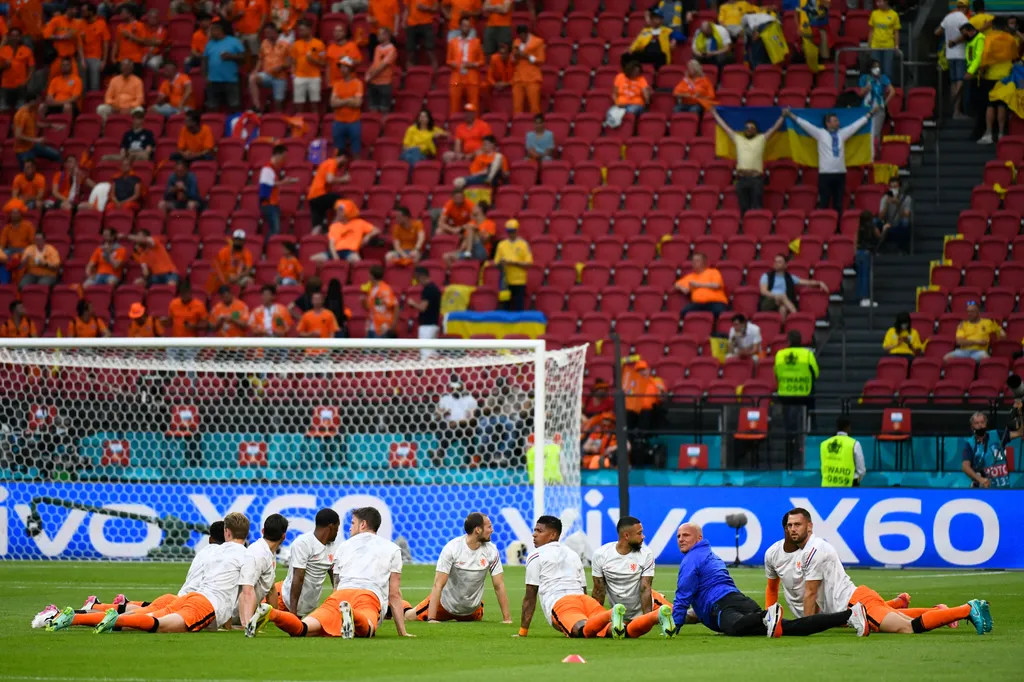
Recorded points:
(368, 572)
(209, 606)
(555, 573)
(783, 564)
(462, 568)
(121, 604)
(824, 581)
(624, 570)
(309, 562)
(705, 584)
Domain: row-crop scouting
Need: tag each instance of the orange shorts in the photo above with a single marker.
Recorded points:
(361, 601)
(421, 612)
(873, 603)
(573, 608)
(195, 609)
(161, 602)
(659, 599)
(280, 606)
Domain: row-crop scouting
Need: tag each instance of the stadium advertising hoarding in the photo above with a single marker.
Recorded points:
(869, 527)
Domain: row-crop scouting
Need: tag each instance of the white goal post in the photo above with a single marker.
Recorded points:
(130, 447)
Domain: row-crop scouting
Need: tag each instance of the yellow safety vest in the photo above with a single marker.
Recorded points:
(837, 462)
(795, 369)
(552, 463)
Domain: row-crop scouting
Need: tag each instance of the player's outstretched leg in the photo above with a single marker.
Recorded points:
(45, 617)
(914, 613)
(776, 626)
(640, 626)
(259, 620)
(900, 602)
(596, 625)
(288, 622)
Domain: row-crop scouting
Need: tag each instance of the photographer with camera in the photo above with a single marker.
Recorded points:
(983, 454)
(902, 339)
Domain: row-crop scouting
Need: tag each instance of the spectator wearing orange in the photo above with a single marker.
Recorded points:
(528, 53)
(630, 95)
(130, 41)
(489, 166)
(318, 322)
(18, 325)
(95, 46)
(407, 239)
(477, 237)
(27, 17)
(151, 254)
(308, 57)
(62, 35)
(289, 267)
(341, 47)
(465, 57)
(456, 214)
(382, 304)
(155, 40)
(599, 445)
(18, 233)
(28, 144)
(175, 93)
(195, 141)
(382, 14)
(29, 186)
(271, 69)
(455, 10)
(186, 315)
(285, 14)
(694, 93)
(143, 325)
(197, 46)
(381, 72)
(106, 266)
(270, 318)
(469, 136)
(16, 65)
(346, 236)
(124, 93)
(324, 190)
(704, 287)
(500, 69)
(40, 263)
(347, 101)
(229, 316)
(86, 325)
(64, 93)
(70, 186)
(126, 189)
(247, 16)
(420, 33)
(499, 24)
(644, 392)
(418, 143)
(233, 265)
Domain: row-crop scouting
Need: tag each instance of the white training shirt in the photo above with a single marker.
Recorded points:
(467, 570)
(259, 569)
(222, 579)
(787, 567)
(951, 31)
(365, 562)
(457, 409)
(309, 553)
(557, 572)
(623, 575)
(820, 561)
(196, 571)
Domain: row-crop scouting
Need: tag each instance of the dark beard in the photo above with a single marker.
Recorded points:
(636, 547)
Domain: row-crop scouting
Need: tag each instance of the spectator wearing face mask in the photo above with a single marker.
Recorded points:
(895, 214)
(902, 339)
(876, 89)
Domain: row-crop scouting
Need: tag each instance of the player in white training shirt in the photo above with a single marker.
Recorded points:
(260, 569)
(309, 562)
(817, 580)
(555, 574)
(624, 570)
(368, 572)
(462, 569)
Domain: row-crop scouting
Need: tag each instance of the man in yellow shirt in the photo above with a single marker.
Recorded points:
(705, 288)
(884, 37)
(974, 335)
(514, 257)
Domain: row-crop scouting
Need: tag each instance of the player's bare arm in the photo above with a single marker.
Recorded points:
(598, 593)
(498, 582)
(395, 602)
(811, 597)
(440, 580)
(298, 578)
(529, 606)
(247, 603)
(646, 593)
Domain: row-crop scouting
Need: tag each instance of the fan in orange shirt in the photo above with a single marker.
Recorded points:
(61, 34)
(29, 186)
(175, 94)
(19, 325)
(18, 233)
(705, 288)
(106, 266)
(317, 322)
(64, 93)
(499, 24)
(286, 14)
(380, 75)
(200, 37)
(489, 166)
(95, 46)
(86, 325)
(130, 41)
(500, 68)
(528, 52)
(155, 39)
(27, 17)
(407, 239)
(694, 93)
(270, 319)
(382, 305)
(289, 267)
(195, 141)
(630, 91)
(308, 58)
(465, 57)
(456, 214)
(420, 33)
(346, 236)
(18, 63)
(233, 266)
(151, 254)
(247, 17)
(186, 315)
(455, 10)
(271, 69)
(341, 47)
(143, 325)
(347, 100)
(229, 317)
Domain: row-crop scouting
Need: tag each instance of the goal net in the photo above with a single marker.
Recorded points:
(129, 448)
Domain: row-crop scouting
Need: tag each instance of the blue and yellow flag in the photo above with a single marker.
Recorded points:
(1011, 90)
(792, 142)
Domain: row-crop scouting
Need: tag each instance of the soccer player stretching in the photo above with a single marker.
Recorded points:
(309, 561)
(555, 573)
(368, 569)
(624, 570)
(459, 581)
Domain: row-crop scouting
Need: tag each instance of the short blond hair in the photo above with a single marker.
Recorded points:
(238, 524)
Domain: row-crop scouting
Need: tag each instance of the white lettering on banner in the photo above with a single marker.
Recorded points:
(344, 505)
(149, 541)
(666, 532)
(210, 512)
(593, 520)
(3, 523)
(989, 532)
(875, 528)
(750, 546)
(520, 529)
(299, 524)
(60, 541)
(827, 527)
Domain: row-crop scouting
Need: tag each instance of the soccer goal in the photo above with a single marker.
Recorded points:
(129, 448)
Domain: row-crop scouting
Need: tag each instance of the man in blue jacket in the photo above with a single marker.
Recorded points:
(705, 584)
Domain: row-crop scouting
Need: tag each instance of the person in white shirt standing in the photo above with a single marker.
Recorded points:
(831, 155)
(368, 571)
(260, 568)
(309, 561)
(554, 573)
(462, 569)
(828, 588)
(624, 570)
(956, 54)
(457, 410)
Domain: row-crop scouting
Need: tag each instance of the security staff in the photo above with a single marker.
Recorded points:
(842, 459)
(552, 460)
(795, 370)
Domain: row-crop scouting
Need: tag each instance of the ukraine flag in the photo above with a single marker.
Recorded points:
(1011, 90)
(791, 142)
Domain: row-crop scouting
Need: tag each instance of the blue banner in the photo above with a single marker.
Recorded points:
(869, 527)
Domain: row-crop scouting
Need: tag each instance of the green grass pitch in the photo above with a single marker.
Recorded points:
(487, 651)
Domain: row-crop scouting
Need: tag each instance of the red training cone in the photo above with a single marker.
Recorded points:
(573, 659)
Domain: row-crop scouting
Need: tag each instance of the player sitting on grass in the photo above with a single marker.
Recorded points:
(309, 561)
(825, 581)
(555, 573)
(459, 581)
(95, 610)
(368, 569)
(259, 571)
(624, 570)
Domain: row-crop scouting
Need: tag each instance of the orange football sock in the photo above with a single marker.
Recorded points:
(914, 613)
(91, 619)
(936, 618)
(640, 626)
(595, 625)
(365, 622)
(288, 622)
(138, 621)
